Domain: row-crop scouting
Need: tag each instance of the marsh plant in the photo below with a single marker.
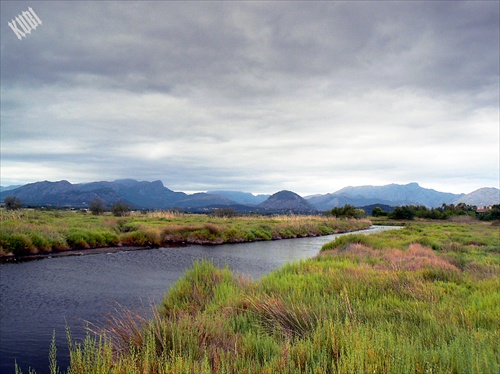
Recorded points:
(387, 303)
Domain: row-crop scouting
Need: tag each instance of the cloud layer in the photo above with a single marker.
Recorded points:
(253, 96)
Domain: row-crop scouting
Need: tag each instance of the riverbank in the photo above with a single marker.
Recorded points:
(387, 303)
(31, 233)
(76, 252)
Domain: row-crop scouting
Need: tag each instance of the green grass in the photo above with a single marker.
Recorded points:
(32, 231)
(383, 304)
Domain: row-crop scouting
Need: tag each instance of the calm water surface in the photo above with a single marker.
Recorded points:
(39, 297)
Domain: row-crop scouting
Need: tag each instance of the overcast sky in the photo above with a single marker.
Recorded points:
(253, 96)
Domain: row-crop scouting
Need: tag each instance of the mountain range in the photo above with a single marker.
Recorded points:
(392, 194)
(482, 197)
(154, 195)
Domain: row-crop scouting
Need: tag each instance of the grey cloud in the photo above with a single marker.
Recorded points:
(239, 47)
(262, 94)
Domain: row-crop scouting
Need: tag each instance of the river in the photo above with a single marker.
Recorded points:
(40, 297)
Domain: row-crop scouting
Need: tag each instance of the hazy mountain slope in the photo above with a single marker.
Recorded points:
(481, 197)
(286, 201)
(329, 201)
(140, 195)
(154, 195)
(8, 188)
(200, 200)
(145, 195)
(59, 194)
(245, 198)
(392, 194)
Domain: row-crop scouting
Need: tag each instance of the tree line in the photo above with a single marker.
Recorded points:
(409, 212)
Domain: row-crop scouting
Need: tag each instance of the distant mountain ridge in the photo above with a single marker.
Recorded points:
(154, 195)
(287, 201)
(140, 195)
(483, 197)
(392, 194)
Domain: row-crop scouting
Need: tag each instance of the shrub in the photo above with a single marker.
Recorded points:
(40, 242)
(57, 241)
(348, 211)
(20, 244)
(402, 212)
(141, 238)
(213, 229)
(97, 206)
(77, 239)
(110, 238)
(120, 209)
(205, 236)
(123, 226)
(379, 212)
(344, 240)
(12, 203)
(233, 235)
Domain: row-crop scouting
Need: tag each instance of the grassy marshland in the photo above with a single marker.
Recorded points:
(424, 299)
(33, 231)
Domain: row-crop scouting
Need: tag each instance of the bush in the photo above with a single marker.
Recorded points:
(120, 209)
(402, 212)
(110, 238)
(97, 206)
(57, 242)
(12, 203)
(20, 244)
(40, 242)
(348, 211)
(124, 226)
(141, 238)
(379, 212)
(233, 235)
(77, 239)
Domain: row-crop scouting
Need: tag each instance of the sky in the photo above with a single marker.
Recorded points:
(253, 96)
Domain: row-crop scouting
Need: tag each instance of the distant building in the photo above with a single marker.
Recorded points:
(482, 209)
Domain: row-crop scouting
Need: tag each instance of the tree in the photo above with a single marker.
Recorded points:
(12, 203)
(120, 208)
(403, 212)
(348, 211)
(379, 212)
(491, 214)
(97, 206)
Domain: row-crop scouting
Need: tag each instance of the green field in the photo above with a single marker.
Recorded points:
(423, 299)
(29, 232)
